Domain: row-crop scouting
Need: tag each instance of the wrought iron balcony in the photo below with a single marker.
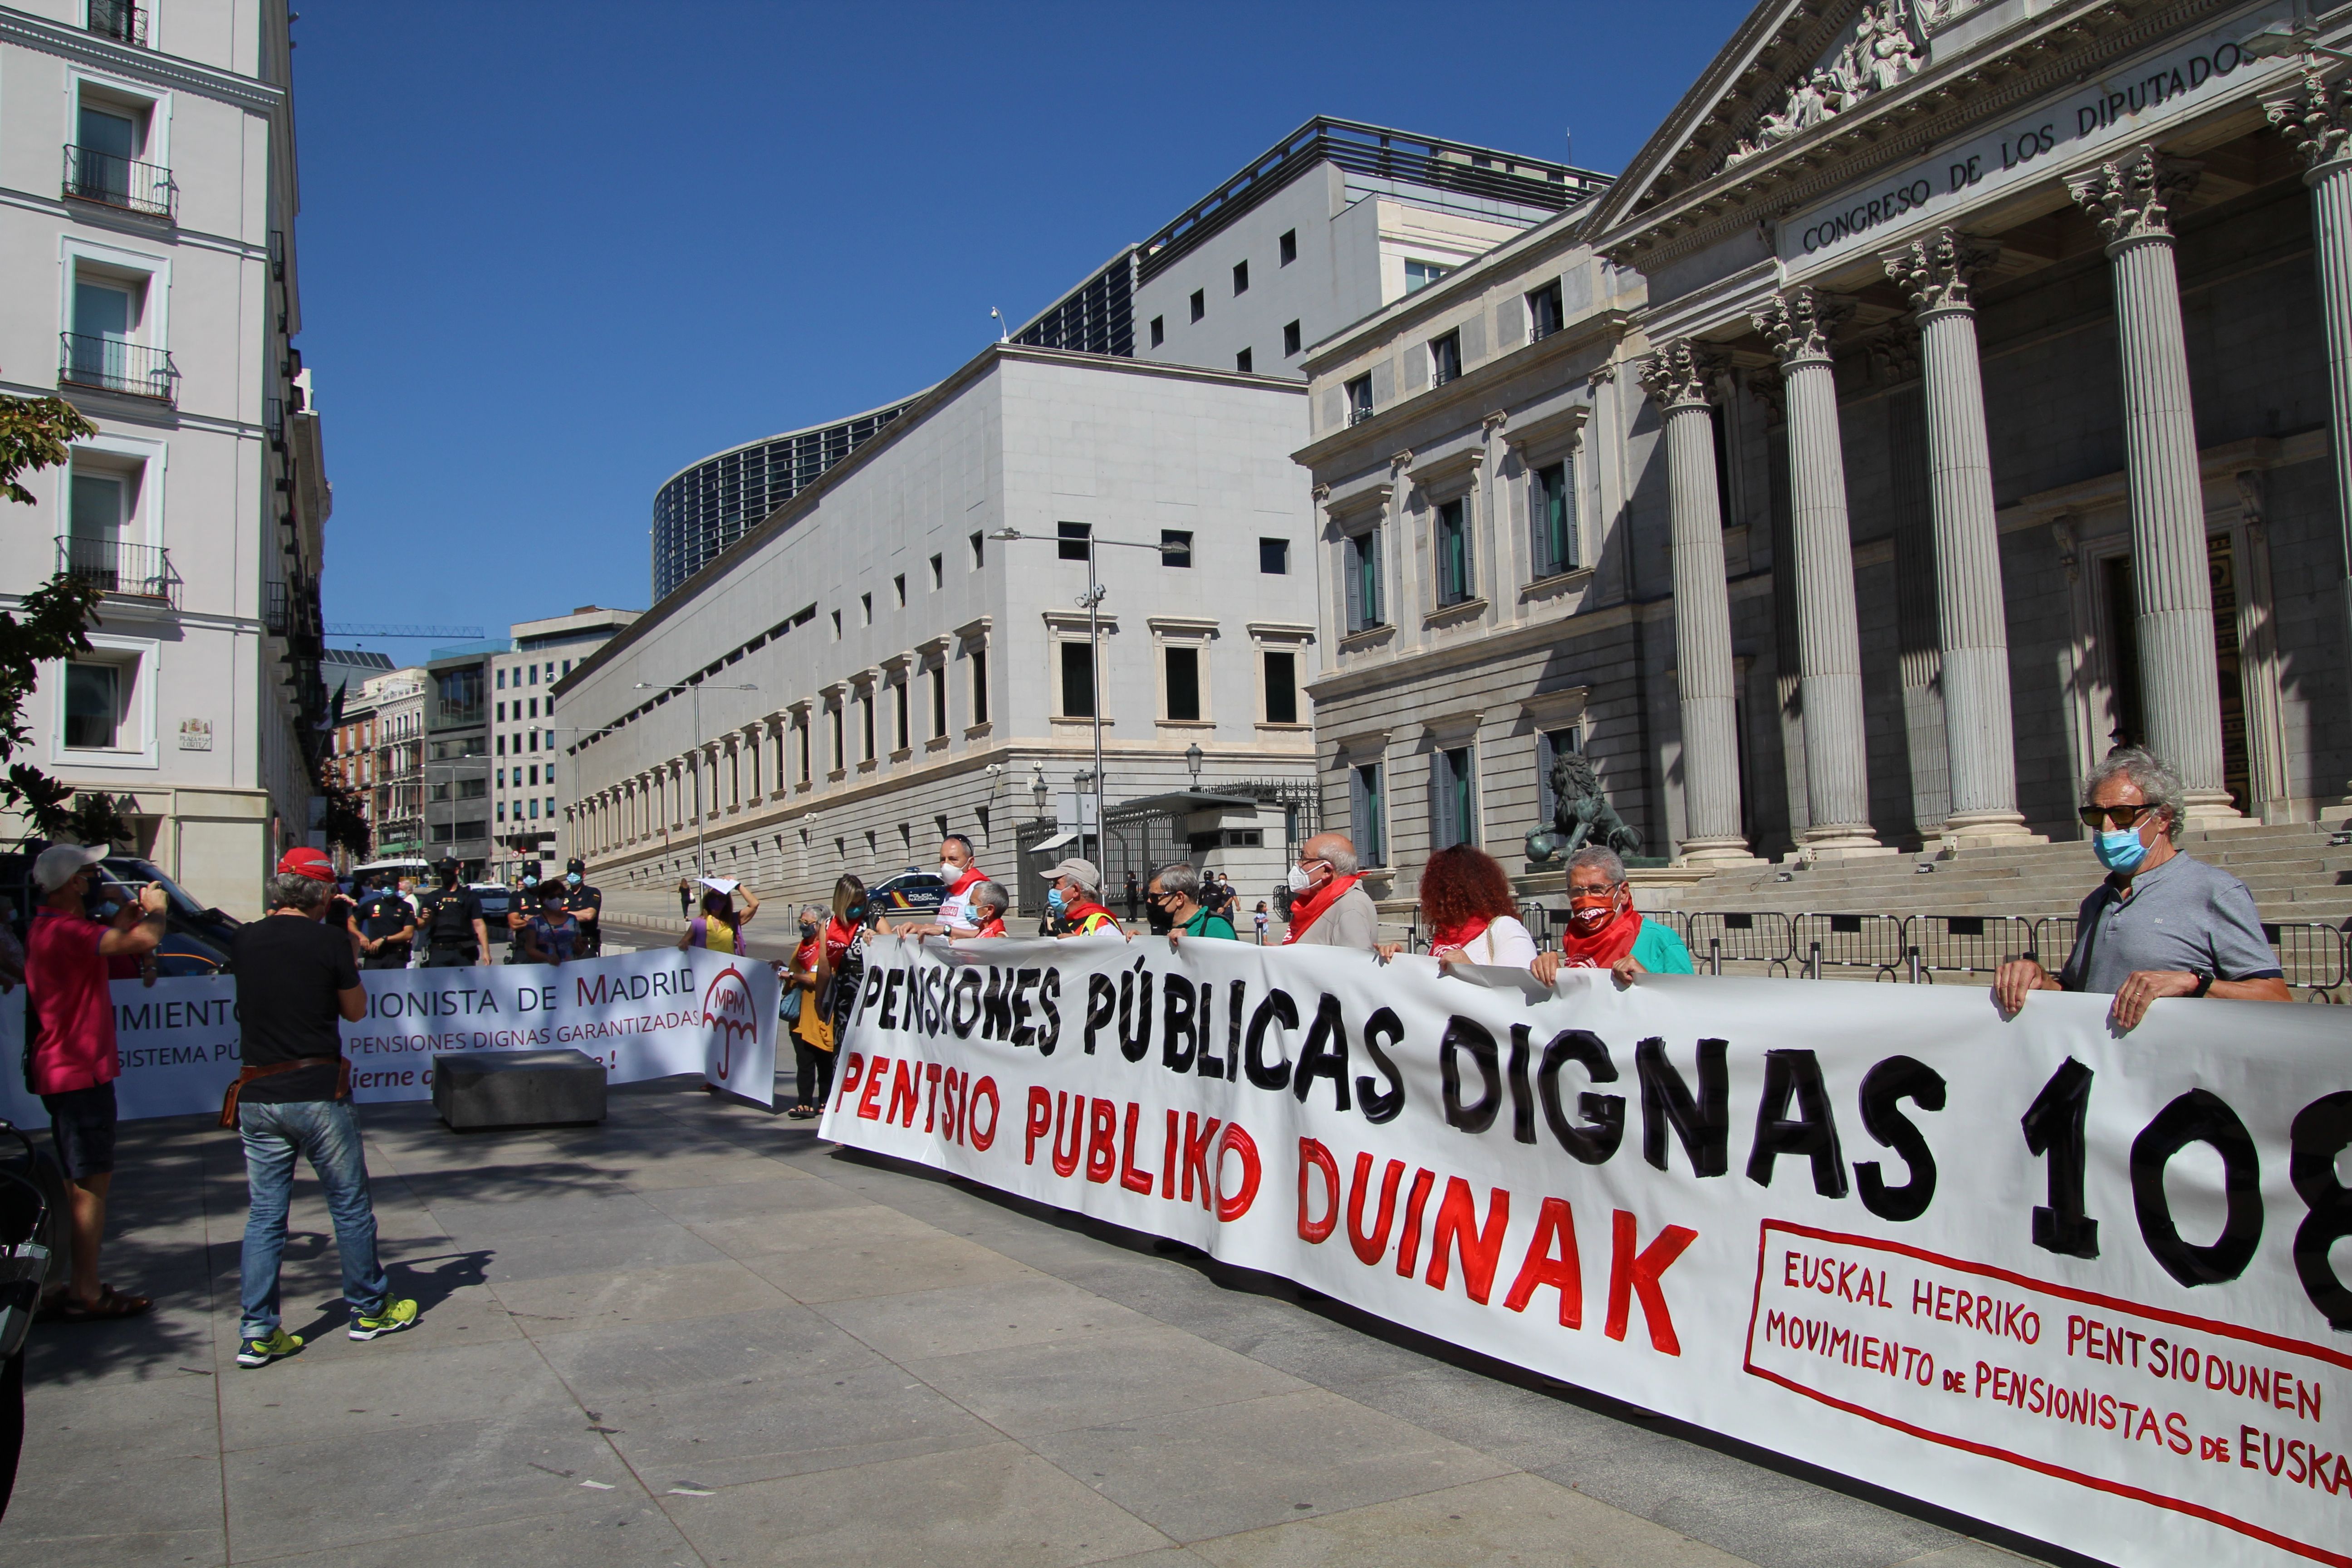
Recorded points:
(277, 616)
(1359, 413)
(119, 20)
(123, 571)
(114, 181)
(111, 364)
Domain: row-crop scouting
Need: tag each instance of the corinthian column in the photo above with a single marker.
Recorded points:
(2317, 113)
(2179, 680)
(1972, 619)
(1829, 645)
(1678, 378)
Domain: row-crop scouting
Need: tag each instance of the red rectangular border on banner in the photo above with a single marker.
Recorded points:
(2067, 1292)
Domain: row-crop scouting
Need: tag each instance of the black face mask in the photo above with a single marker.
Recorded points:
(1161, 921)
(807, 930)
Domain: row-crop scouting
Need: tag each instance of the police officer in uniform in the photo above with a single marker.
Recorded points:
(451, 919)
(521, 910)
(387, 928)
(586, 903)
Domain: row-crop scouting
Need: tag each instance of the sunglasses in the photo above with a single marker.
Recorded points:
(2118, 816)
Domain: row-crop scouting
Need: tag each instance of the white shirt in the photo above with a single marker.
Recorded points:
(1504, 944)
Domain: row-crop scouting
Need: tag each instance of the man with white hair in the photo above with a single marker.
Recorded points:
(1327, 908)
(2162, 925)
(1605, 931)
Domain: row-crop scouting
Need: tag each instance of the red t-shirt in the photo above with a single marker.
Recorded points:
(66, 975)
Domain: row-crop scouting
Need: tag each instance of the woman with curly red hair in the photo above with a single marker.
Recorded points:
(1465, 901)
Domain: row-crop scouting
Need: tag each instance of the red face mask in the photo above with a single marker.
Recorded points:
(1590, 911)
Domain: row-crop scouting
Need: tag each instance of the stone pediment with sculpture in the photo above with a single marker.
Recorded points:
(1887, 47)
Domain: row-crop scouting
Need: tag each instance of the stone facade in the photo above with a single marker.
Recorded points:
(1932, 445)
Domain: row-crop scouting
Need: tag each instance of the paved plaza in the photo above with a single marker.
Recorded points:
(697, 1334)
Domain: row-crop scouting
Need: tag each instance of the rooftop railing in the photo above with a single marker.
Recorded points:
(124, 183)
(111, 364)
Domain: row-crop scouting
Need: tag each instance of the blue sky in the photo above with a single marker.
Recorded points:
(550, 254)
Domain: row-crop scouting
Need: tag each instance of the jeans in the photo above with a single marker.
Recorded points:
(326, 1132)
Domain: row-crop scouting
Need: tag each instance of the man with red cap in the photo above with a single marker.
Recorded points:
(295, 978)
(74, 1064)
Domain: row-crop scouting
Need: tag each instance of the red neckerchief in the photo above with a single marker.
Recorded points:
(838, 938)
(1077, 913)
(970, 874)
(1461, 936)
(1604, 947)
(994, 928)
(1307, 908)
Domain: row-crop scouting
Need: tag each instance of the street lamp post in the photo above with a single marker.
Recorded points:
(1092, 599)
(695, 688)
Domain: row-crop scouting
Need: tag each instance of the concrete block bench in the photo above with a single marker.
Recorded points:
(516, 1089)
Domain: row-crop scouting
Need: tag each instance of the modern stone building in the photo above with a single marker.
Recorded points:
(872, 666)
(525, 734)
(1989, 422)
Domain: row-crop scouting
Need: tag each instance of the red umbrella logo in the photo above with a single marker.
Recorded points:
(727, 1007)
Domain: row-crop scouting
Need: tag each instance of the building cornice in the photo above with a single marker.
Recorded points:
(1472, 387)
(90, 49)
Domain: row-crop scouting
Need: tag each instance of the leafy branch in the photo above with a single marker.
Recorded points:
(50, 623)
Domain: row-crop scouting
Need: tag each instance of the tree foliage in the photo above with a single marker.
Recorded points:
(344, 821)
(51, 622)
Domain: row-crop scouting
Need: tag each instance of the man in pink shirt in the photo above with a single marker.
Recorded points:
(74, 1064)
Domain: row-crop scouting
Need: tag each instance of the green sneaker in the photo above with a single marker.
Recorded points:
(261, 1352)
(394, 1317)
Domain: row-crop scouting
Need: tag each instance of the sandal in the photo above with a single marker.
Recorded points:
(801, 1112)
(111, 1303)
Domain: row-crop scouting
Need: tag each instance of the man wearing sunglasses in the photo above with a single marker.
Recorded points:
(2162, 925)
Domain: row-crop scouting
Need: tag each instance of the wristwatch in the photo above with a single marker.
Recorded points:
(2204, 983)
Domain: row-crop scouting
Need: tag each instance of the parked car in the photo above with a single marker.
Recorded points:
(909, 895)
(196, 937)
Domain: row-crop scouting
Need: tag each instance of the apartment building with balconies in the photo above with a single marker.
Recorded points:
(148, 274)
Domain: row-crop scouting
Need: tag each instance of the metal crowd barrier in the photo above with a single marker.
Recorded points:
(2312, 953)
(1850, 941)
(1766, 937)
(1963, 944)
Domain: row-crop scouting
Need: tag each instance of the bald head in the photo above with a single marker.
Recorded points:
(1332, 849)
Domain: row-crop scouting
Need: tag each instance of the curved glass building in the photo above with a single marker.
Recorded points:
(707, 506)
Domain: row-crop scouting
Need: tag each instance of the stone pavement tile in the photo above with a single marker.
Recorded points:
(1513, 1518)
(1126, 1375)
(170, 1415)
(1774, 1519)
(1166, 1557)
(1287, 1335)
(652, 1359)
(307, 1398)
(176, 1334)
(1203, 1473)
(398, 1483)
(786, 1194)
(1967, 1554)
(841, 1217)
(107, 1505)
(582, 1248)
(999, 1505)
(727, 1434)
(882, 1265)
(658, 1172)
(575, 1303)
(1522, 1427)
(632, 1534)
(1027, 1309)
(483, 1219)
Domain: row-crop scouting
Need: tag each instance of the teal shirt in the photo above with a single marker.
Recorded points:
(1660, 950)
(1203, 923)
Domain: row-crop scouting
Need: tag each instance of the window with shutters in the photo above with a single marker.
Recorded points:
(1453, 798)
(1368, 813)
(1450, 539)
(1551, 519)
(1361, 569)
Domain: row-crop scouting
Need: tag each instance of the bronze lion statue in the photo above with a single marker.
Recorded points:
(1581, 815)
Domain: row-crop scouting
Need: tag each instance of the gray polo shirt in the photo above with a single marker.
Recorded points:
(2182, 915)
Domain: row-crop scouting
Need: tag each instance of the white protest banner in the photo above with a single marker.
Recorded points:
(644, 1014)
(2091, 1287)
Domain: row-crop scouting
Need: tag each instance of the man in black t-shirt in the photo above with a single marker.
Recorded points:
(450, 917)
(387, 928)
(296, 983)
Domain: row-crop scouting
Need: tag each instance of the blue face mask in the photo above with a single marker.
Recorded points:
(1054, 900)
(2119, 851)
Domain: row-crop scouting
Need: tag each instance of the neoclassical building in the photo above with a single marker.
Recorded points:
(1993, 405)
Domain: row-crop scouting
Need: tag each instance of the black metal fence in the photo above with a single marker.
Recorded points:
(123, 571)
(111, 364)
(112, 180)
